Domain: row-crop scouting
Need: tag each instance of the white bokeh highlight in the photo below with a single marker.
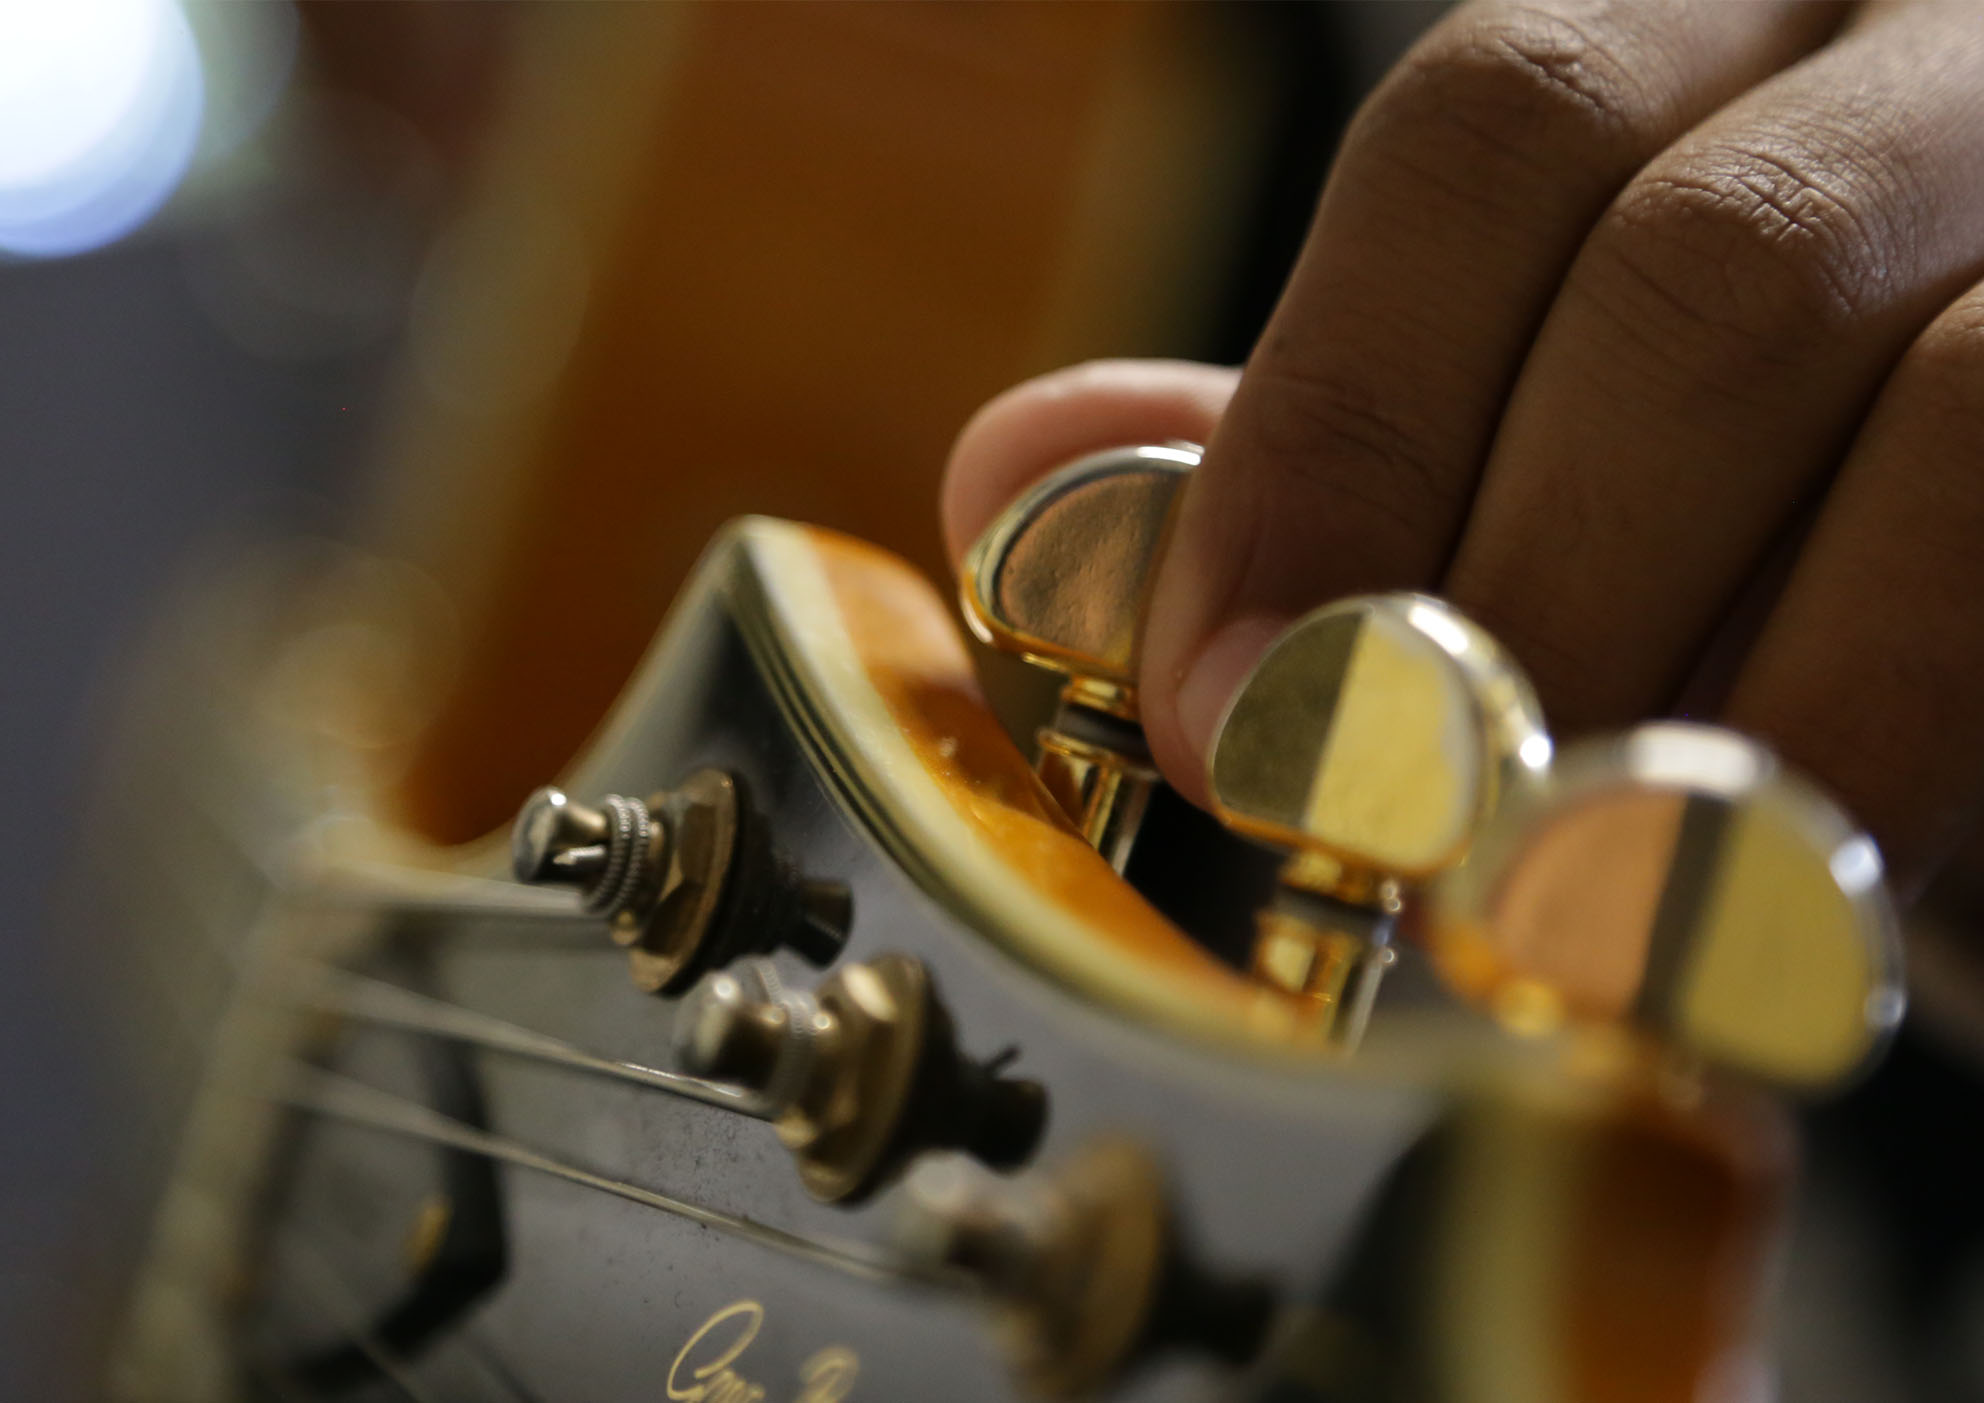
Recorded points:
(100, 106)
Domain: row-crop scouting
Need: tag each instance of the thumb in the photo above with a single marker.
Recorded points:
(1035, 427)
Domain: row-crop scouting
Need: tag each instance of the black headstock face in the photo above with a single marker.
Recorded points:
(601, 1296)
(998, 1128)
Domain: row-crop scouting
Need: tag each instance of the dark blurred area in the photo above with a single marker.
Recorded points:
(533, 297)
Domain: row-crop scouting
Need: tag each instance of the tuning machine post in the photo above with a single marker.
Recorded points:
(1060, 578)
(858, 1074)
(687, 879)
(1679, 879)
(1082, 1263)
(1370, 743)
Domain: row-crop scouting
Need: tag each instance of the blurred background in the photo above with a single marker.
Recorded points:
(529, 299)
(533, 297)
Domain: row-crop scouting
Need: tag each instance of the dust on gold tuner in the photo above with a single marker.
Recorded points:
(808, 1041)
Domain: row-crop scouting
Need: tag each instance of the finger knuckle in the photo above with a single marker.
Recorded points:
(1760, 248)
(1328, 437)
(1521, 86)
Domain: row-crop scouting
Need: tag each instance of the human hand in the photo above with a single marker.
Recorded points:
(1651, 336)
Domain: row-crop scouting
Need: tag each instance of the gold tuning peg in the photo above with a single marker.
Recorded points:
(687, 878)
(1371, 742)
(858, 1074)
(1060, 578)
(1084, 1265)
(1681, 878)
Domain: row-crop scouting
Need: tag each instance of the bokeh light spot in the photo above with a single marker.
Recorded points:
(100, 104)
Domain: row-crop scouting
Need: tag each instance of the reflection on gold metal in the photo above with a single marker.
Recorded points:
(870, 1045)
(1371, 741)
(1105, 792)
(1061, 578)
(1379, 731)
(1072, 1258)
(1061, 575)
(858, 1073)
(1335, 970)
(428, 1232)
(1084, 1264)
(1680, 878)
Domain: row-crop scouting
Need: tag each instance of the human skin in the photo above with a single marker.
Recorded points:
(1652, 336)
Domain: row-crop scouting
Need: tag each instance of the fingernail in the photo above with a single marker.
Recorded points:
(1216, 673)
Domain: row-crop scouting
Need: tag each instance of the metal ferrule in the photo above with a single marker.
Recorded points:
(1096, 764)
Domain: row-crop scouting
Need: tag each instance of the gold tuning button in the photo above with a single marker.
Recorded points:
(1681, 879)
(1061, 578)
(1082, 1264)
(1372, 740)
(858, 1074)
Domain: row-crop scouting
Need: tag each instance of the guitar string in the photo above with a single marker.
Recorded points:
(325, 990)
(338, 1300)
(472, 1344)
(333, 1296)
(339, 1098)
(403, 890)
(273, 1384)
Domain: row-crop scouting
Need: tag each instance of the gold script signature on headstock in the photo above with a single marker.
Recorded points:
(705, 1369)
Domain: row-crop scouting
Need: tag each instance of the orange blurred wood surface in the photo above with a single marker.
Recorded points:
(813, 238)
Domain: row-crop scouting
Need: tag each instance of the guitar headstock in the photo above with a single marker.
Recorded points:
(908, 1092)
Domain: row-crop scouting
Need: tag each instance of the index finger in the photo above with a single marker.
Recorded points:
(1349, 457)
